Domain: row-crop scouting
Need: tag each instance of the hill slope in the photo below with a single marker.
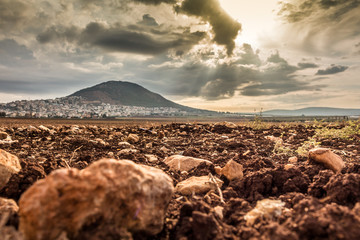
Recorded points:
(126, 93)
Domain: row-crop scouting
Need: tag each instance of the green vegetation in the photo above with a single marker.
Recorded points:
(259, 124)
(306, 146)
(322, 132)
(351, 128)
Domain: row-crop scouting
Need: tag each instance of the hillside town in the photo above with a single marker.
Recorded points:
(78, 107)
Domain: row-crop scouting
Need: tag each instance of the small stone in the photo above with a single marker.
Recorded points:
(293, 160)
(328, 158)
(219, 212)
(127, 151)
(265, 208)
(151, 158)
(218, 170)
(133, 138)
(197, 185)
(276, 140)
(125, 144)
(8, 205)
(107, 196)
(288, 166)
(3, 135)
(164, 149)
(226, 124)
(184, 163)
(232, 170)
(8, 212)
(9, 164)
(149, 145)
(43, 128)
(99, 141)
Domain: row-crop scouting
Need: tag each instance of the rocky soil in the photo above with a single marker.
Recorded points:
(258, 185)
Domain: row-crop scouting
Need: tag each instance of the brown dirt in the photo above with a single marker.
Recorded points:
(320, 204)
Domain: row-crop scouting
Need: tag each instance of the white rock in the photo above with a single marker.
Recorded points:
(265, 208)
(184, 163)
(42, 127)
(219, 211)
(151, 158)
(116, 195)
(328, 158)
(127, 151)
(9, 164)
(293, 160)
(232, 170)
(133, 138)
(3, 135)
(197, 185)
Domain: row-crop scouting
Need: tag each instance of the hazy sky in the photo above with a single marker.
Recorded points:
(230, 55)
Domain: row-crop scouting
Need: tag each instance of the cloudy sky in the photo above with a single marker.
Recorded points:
(228, 55)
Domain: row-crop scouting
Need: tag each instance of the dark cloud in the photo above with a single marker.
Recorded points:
(224, 80)
(148, 21)
(155, 2)
(144, 38)
(304, 65)
(123, 40)
(58, 33)
(224, 27)
(298, 10)
(13, 13)
(333, 69)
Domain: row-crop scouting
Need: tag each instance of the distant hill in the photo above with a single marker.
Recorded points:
(314, 111)
(128, 94)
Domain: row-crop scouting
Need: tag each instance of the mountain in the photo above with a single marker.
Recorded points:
(128, 94)
(314, 111)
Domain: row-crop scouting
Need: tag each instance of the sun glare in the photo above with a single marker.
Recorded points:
(257, 18)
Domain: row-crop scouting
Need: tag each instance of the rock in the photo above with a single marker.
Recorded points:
(32, 129)
(276, 140)
(293, 160)
(226, 124)
(232, 170)
(218, 170)
(110, 197)
(9, 164)
(197, 185)
(127, 151)
(133, 138)
(328, 158)
(3, 135)
(289, 166)
(99, 141)
(151, 158)
(43, 128)
(164, 149)
(125, 145)
(184, 163)
(219, 212)
(8, 205)
(265, 208)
